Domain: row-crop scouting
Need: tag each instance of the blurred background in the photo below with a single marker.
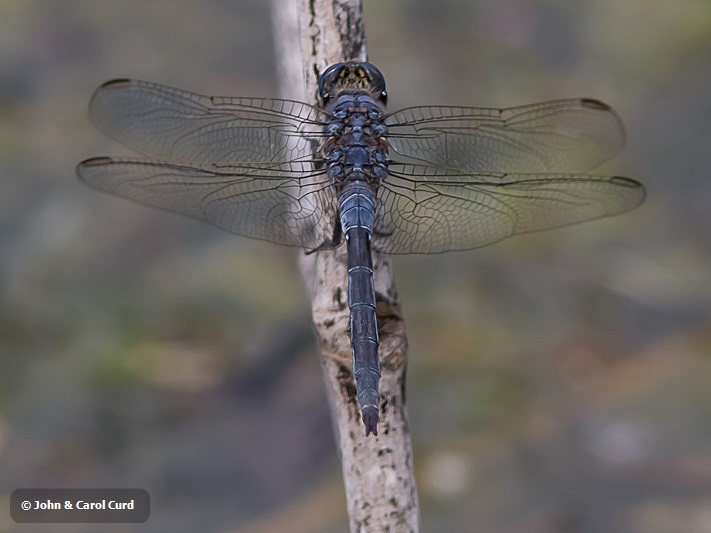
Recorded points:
(558, 382)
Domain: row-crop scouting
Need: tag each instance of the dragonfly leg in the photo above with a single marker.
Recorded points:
(334, 242)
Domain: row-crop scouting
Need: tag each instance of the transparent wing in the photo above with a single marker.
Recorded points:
(166, 123)
(559, 136)
(428, 209)
(286, 203)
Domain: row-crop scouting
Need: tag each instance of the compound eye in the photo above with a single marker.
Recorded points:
(326, 79)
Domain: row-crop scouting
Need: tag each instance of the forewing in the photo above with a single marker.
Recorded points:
(553, 137)
(167, 123)
(445, 211)
(287, 203)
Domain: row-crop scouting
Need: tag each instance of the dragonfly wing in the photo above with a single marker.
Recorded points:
(287, 203)
(452, 211)
(167, 123)
(560, 136)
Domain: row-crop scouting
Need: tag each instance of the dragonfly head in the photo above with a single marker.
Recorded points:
(352, 77)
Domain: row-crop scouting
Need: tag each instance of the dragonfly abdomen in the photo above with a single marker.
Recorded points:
(356, 207)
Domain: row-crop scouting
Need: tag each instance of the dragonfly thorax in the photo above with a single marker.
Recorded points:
(356, 148)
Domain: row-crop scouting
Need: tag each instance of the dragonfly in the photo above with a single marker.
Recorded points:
(421, 180)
